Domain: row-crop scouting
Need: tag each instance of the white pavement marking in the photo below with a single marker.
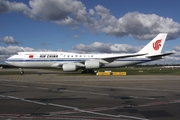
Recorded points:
(132, 117)
(64, 106)
(2, 96)
(158, 103)
(91, 112)
(41, 103)
(22, 99)
(103, 94)
(77, 109)
(12, 97)
(96, 113)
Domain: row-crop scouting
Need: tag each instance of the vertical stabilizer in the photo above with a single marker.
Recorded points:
(155, 46)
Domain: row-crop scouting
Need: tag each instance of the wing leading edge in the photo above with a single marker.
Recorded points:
(111, 59)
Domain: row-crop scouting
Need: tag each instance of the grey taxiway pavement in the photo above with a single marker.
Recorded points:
(53, 96)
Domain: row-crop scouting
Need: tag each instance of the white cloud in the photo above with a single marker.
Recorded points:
(76, 36)
(106, 48)
(10, 50)
(73, 13)
(54, 9)
(6, 6)
(135, 24)
(177, 48)
(6, 52)
(63, 12)
(9, 40)
(145, 26)
(172, 59)
(175, 58)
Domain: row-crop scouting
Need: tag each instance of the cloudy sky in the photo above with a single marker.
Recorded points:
(88, 26)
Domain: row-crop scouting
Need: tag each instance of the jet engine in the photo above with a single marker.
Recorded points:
(69, 67)
(92, 64)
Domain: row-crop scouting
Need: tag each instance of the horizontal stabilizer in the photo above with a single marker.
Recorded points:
(159, 56)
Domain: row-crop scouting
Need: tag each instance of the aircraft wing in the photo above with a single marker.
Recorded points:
(103, 60)
(111, 59)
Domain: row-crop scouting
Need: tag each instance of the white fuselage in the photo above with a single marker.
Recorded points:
(56, 59)
(74, 61)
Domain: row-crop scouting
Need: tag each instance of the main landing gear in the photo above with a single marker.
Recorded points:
(87, 71)
(21, 71)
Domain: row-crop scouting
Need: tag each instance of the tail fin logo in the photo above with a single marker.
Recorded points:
(157, 44)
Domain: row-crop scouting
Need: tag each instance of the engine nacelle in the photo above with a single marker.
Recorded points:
(92, 64)
(69, 67)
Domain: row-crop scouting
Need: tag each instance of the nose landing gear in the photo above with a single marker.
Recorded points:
(21, 71)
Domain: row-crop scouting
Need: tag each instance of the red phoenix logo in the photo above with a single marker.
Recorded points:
(157, 44)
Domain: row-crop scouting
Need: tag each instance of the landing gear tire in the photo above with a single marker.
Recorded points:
(87, 72)
(21, 71)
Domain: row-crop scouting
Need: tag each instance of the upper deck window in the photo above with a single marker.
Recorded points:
(42, 56)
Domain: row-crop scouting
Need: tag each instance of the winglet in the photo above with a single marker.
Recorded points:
(155, 46)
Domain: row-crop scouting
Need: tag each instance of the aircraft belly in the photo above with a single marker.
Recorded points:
(33, 64)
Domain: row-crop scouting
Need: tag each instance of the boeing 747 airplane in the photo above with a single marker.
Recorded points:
(88, 62)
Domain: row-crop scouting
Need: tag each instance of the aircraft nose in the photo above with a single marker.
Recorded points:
(9, 61)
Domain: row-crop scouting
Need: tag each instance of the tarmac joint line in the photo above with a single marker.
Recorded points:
(74, 108)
